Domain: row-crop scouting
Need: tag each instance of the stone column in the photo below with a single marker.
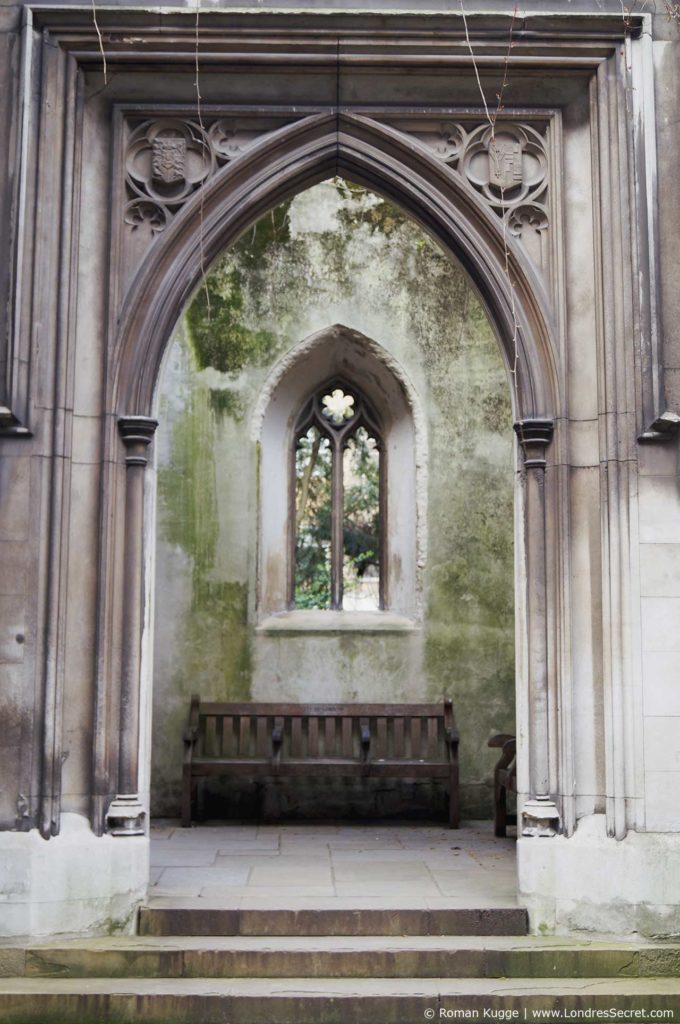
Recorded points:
(126, 814)
(540, 816)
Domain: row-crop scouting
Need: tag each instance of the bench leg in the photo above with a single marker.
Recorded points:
(501, 812)
(186, 798)
(454, 798)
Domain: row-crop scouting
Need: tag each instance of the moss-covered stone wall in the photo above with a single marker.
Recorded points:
(333, 254)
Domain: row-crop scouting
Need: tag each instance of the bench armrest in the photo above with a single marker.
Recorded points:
(500, 739)
(190, 734)
(452, 737)
(509, 745)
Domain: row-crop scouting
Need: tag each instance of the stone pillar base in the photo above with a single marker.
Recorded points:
(125, 816)
(592, 884)
(73, 884)
(540, 818)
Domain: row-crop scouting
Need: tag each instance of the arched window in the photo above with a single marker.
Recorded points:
(339, 492)
(359, 460)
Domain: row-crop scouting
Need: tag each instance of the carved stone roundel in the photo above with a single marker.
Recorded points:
(167, 159)
(507, 164)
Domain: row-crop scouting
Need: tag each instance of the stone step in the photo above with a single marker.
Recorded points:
(197, 919)
(342, 957)
(326, 1000)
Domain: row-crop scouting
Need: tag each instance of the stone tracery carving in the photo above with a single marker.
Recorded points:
(168, 159)
(507, 165)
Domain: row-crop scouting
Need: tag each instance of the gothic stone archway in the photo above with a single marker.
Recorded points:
(403, 168)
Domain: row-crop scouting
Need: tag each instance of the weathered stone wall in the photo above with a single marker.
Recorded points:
(334, 255)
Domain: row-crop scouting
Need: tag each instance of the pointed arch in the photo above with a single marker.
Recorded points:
(337, 351)
(382, 159)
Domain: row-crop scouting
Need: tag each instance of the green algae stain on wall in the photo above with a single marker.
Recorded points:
(469, 647)
(203, 639)
(186, 486)
(217, 318)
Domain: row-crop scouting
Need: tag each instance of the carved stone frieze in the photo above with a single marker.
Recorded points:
(167, 159)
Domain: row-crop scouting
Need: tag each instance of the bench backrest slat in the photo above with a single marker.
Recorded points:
(244, 736)
(296, 738)
(227, 746)
(337, 710)
(380, 738)
(263, 743)
(432, 737)
(329, 739)
(398, 735)
(313, 737)
(347, 750)
(416, 739)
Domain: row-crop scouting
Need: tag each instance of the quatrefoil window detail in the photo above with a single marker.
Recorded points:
(338, 407)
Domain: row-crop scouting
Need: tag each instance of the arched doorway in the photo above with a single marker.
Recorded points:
(374, 156)
(235, 383)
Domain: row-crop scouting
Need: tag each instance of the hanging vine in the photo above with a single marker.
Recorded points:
(492, 117)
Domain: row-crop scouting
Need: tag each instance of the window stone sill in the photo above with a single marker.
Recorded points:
(315, 621)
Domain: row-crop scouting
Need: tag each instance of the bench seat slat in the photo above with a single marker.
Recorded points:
(214, 765)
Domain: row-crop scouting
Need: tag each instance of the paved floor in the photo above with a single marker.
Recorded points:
(412, 865)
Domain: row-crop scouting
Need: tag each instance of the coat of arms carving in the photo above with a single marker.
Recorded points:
(168, 159)
(505, 163)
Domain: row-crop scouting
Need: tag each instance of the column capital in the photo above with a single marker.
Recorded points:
(534, 435)
(137, 434)
(137, 429)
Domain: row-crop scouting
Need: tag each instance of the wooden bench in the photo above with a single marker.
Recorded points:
(357, 740)
(504, 781)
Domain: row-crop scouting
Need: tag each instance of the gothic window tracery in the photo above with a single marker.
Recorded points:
(339, 503)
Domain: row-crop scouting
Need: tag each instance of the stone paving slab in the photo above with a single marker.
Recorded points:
(417, 863)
